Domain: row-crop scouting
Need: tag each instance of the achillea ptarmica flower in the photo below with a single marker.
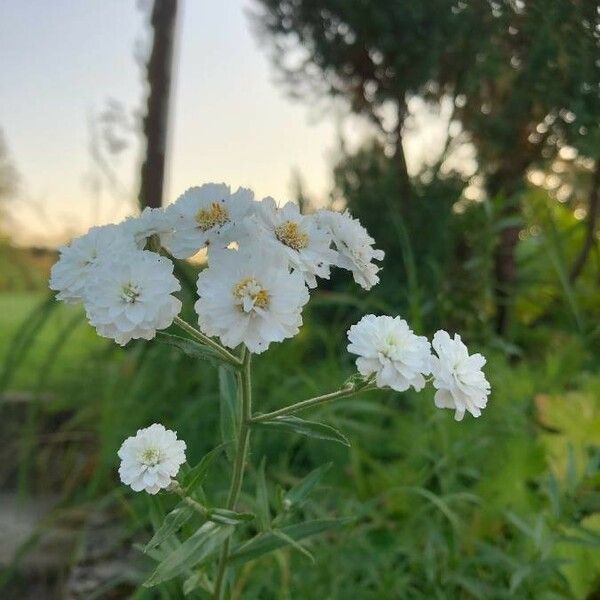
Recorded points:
(152, 221)
(151, 459)
(129, 296)
(458, 378)
(354, 246)
(70, 274)
(306, 246)
(206, 215)
(249, 296)
(387, 348)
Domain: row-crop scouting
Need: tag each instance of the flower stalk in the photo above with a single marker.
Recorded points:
(237, 478)
(312, 402)
(204, 339)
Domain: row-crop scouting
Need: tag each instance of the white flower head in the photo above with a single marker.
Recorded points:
(129, 296)
(306, 245)
(354, 246)
(69, 275)
(387, 348)
(151, 459)
(206, 215)
(249, 296)
(152, 221)
(458, 378)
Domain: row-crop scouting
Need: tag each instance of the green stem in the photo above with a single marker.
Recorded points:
(204, 339)
(237, 478)
(311, 402)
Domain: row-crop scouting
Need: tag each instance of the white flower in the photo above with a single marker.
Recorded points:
(387, 348)
(306, 245)
(152, 221)
(249, 296)
(69, 275)
(354, 246)
(151, 459)
(205, 215)
(129, 296)
(458, 378)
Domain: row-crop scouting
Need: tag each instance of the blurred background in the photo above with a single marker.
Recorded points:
(464, 134)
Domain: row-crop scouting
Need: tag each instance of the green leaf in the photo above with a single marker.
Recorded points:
(198, 547)
(228, 517)
(229, 407)
(292, 542)
(262, 498)
(173, 522)
(296, 494)
(195, 581)
(268, 541)
(190, 347)
(308, 428)
(196, 475)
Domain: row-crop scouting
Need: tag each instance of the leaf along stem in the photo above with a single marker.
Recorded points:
(311, 402)
(204, 339)
(237, 478)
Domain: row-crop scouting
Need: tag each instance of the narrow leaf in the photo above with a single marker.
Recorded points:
(268, 541)
(262, 498)
(229, 407)
(173, 522)
(292, 542)
(228, 517)
(190, 347)
(296, 494)
(308, 428)
(197, 474)
(198, 547)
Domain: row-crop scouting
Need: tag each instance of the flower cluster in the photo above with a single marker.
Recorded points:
(262, 260)
(390, 353)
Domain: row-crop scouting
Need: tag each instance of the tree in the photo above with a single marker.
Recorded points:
(159, 68)
(516, 70)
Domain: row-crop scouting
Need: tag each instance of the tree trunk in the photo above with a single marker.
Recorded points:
(400, 159)
(592, 219)
(505, 262)
(159, 68)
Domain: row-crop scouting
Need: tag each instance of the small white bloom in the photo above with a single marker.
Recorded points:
(151, 459)
(387, 348)
(354, 246)
(129, 296)
(249, 296)
(306, 246)
(69, 275)
(458, 378)
(152, 221)
(205, 215)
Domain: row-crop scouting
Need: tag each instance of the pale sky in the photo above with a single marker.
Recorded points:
(63, 59)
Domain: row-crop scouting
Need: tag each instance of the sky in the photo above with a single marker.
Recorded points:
(62, 61)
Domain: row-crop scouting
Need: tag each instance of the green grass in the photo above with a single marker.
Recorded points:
(60, 345)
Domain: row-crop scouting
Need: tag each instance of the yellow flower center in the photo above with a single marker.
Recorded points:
(151, 456)
(290, 234)
(251, 294)
(215, 215)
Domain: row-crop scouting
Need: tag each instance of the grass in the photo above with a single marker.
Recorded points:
(66, 336)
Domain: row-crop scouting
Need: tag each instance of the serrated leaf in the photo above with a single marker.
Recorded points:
(172, 523)
(308, 428)
(197, 474)
(228, 407)
(268, 541)
(296, 494)
(228, 517)
(198, 547)
(190, 347)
